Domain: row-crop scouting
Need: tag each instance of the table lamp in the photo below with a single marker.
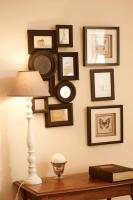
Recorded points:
(29, 84)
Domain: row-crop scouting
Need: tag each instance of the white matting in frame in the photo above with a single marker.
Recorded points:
(102, 84)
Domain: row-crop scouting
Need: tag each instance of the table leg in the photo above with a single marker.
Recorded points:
(23, 195)
(108, 198)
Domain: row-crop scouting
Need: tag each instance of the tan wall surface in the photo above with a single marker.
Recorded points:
(15, 18)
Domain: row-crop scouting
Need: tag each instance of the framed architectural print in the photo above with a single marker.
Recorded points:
(64, 35)
(102, 84)
(40, 104)
(104, 125)
(65, 91)
(59, 115)
(68, 66)
(41, 40)
(101, 46)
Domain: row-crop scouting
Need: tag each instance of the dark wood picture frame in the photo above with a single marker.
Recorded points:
(34, 44)
(105, 84)
(44, 62)
(64, 70)
(45, 101)
(104, 125)
(56, 107)
(109, 49)
(52, 90)
(68, 42)
(70, 87)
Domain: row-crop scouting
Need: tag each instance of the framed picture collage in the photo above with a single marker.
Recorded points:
(43, 46)
(101, 50)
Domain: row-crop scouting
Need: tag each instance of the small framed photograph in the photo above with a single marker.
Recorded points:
(41, 40)
(102, 84)
(40, 105)
(64, 35)
(104, 125)
(59, 115)
(101, 46)
(68, 66)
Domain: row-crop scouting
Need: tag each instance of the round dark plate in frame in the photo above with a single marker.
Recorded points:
(69, 87)
(44, 62)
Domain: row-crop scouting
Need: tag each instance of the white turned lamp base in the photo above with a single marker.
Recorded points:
(34, 180)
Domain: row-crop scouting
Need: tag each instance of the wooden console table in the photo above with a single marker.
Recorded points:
(76, 187)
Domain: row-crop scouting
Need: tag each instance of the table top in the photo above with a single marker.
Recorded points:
(70, 183)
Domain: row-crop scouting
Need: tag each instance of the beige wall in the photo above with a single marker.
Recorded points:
(15, 18)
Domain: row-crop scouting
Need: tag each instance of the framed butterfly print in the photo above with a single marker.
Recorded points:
(104, 125)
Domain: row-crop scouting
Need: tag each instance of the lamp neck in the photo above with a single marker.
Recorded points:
(29, 108)
(33, 178)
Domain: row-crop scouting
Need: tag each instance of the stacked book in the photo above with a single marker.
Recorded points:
(111, 172)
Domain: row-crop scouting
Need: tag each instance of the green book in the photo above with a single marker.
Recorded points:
(111, 172)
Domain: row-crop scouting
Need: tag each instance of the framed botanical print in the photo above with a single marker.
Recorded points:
(101, 46)
(64, 35)
(104, 125)
(68, 66)
(102, 84)
(59, 115)
(41, 40)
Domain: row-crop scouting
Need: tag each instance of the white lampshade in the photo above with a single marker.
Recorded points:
(29, 84)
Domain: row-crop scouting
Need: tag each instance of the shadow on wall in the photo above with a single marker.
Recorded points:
(5, 168)
(6, 81)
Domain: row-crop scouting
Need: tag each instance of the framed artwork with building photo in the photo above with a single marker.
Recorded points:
(64, 35)
(101, 46)
(59, 115)
(41, 40)
(104, 125)
(68, 66)
(102, 84)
